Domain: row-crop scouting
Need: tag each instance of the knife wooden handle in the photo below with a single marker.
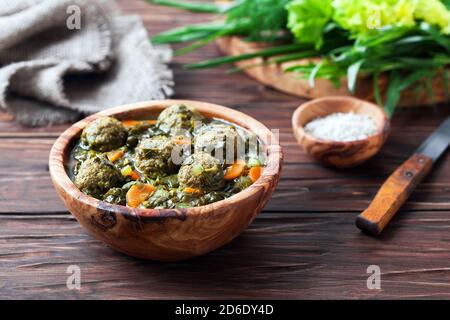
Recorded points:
(394, 193)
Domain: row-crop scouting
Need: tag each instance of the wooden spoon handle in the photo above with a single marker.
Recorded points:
(394, 193)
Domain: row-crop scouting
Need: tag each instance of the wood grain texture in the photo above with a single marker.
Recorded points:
(273, 75)
(393, 194)
(284, 255)
(303, 245)
(336, 153)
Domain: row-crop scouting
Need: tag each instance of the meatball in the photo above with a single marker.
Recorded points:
(154, 156)
(104, 134)
(96, 176)
(221, 140)
(201, 171)
(178, 119)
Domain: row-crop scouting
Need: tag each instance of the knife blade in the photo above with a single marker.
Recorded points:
(437, 142)
(399, 186)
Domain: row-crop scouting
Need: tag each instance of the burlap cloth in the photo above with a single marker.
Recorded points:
(54, 69)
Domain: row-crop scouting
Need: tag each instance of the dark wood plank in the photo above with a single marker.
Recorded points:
(295, 255)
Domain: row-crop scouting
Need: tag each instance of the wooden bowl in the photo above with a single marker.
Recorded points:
(334, 153)
(273, 75)
(167, 234)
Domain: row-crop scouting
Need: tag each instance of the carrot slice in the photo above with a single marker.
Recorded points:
(138, 193)
(192, 190)
(234, 171)
(255, 173)
(113, 156)
(132, 123)
(134, 175)
(129, 172)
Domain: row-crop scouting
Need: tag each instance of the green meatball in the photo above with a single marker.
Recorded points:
(154, 156)
(179, 119)
(201, 171)
(96, 176)
(104, 134)
(221, 140)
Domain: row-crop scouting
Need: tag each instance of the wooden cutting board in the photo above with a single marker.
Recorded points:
(272, 75)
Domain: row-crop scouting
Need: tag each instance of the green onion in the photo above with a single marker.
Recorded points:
(262, 53)
(409, 55)
(352, 75)
(126, 171)
(192, 6)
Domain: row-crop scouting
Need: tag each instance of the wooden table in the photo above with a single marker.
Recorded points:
(304, 244)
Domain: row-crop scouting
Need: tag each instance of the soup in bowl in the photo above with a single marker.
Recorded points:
(166, 180)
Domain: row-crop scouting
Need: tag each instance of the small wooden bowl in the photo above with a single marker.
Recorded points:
(335, 153)
(167, 234)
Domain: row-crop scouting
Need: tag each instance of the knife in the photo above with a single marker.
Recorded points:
(398, 187)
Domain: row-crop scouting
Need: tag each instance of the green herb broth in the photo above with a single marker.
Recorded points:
(145, 160)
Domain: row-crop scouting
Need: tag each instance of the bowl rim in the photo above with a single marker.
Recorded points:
(382, 129)
(59, 155)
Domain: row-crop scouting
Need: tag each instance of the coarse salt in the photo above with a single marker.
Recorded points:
(343, 127)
